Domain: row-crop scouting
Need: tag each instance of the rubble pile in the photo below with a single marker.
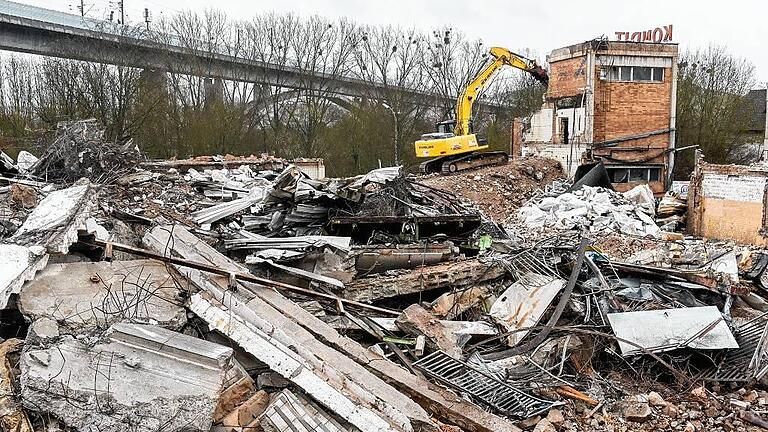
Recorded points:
(672, 211)
(80, 150)
(237, 294)
(595, 209)
(499, 191)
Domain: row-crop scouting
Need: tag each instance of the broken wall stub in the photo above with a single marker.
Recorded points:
(729, 202)
(97, 294)
(136, 378)
(612, 102)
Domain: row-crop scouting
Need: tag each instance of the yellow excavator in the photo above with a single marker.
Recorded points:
(454, 146)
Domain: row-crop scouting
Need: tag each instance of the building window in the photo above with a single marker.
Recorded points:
(634, 174)
(641, 74)
(635, 73)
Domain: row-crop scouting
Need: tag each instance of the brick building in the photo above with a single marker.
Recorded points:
(612, 101)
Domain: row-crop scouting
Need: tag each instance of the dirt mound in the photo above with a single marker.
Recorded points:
(499, 190)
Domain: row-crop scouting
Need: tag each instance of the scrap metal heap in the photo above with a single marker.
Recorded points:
(177, 296)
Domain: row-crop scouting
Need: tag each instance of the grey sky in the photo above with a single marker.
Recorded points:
(539, 25)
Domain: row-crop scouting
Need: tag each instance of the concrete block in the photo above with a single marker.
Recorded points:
(137, 378)
(97, 294)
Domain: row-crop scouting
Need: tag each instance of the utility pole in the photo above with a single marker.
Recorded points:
(146, 17)
(121, 5)
(394, 117)
(82, 8)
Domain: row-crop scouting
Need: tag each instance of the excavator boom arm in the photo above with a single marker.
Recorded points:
(501, 57)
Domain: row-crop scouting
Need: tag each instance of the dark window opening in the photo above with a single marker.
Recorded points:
(634, 174)
(641, 74)
(564, 129)
(654, 174)
(619, 175)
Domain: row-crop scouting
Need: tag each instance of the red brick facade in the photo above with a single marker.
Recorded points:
(617, 109)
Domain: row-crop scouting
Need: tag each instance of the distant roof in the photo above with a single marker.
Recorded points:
(755, 105)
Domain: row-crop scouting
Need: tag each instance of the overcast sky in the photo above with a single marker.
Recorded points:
(741, 25)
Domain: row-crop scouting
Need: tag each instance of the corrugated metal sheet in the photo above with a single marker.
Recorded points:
(749, 361)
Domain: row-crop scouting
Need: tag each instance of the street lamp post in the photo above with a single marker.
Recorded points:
(394, 117)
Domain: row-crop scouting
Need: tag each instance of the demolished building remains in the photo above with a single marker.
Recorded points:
(608, 101)
(237, 294)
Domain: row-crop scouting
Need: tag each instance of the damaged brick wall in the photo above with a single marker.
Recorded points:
(567, 77)
(729, 202)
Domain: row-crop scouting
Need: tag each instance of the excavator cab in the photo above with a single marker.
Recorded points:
(446, 126)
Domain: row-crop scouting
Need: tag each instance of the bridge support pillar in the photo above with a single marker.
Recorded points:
(214, 91)
(153, 82)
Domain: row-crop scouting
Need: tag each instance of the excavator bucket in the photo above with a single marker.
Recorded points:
(541, 75)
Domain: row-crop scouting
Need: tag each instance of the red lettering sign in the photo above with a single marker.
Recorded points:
(657, 35)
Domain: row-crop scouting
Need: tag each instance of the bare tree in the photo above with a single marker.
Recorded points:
(711, 87)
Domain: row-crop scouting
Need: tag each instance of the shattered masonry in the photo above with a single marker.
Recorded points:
(233, 294)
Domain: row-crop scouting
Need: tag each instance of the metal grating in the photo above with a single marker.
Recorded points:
(749, 361)
(483, 386)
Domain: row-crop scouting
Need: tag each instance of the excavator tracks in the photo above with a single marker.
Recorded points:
(452, 164)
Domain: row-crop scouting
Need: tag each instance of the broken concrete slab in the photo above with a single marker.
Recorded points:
(442, 403)
(416, 321)
(97, 294)
(43, 331)
(280, 357)
(19, 264)
(50, 228)
(53, 224)
(138, 377)
(669, 329)
(326, 375)
(444, 275)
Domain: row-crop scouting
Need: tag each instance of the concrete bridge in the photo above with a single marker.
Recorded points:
(35, 30)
